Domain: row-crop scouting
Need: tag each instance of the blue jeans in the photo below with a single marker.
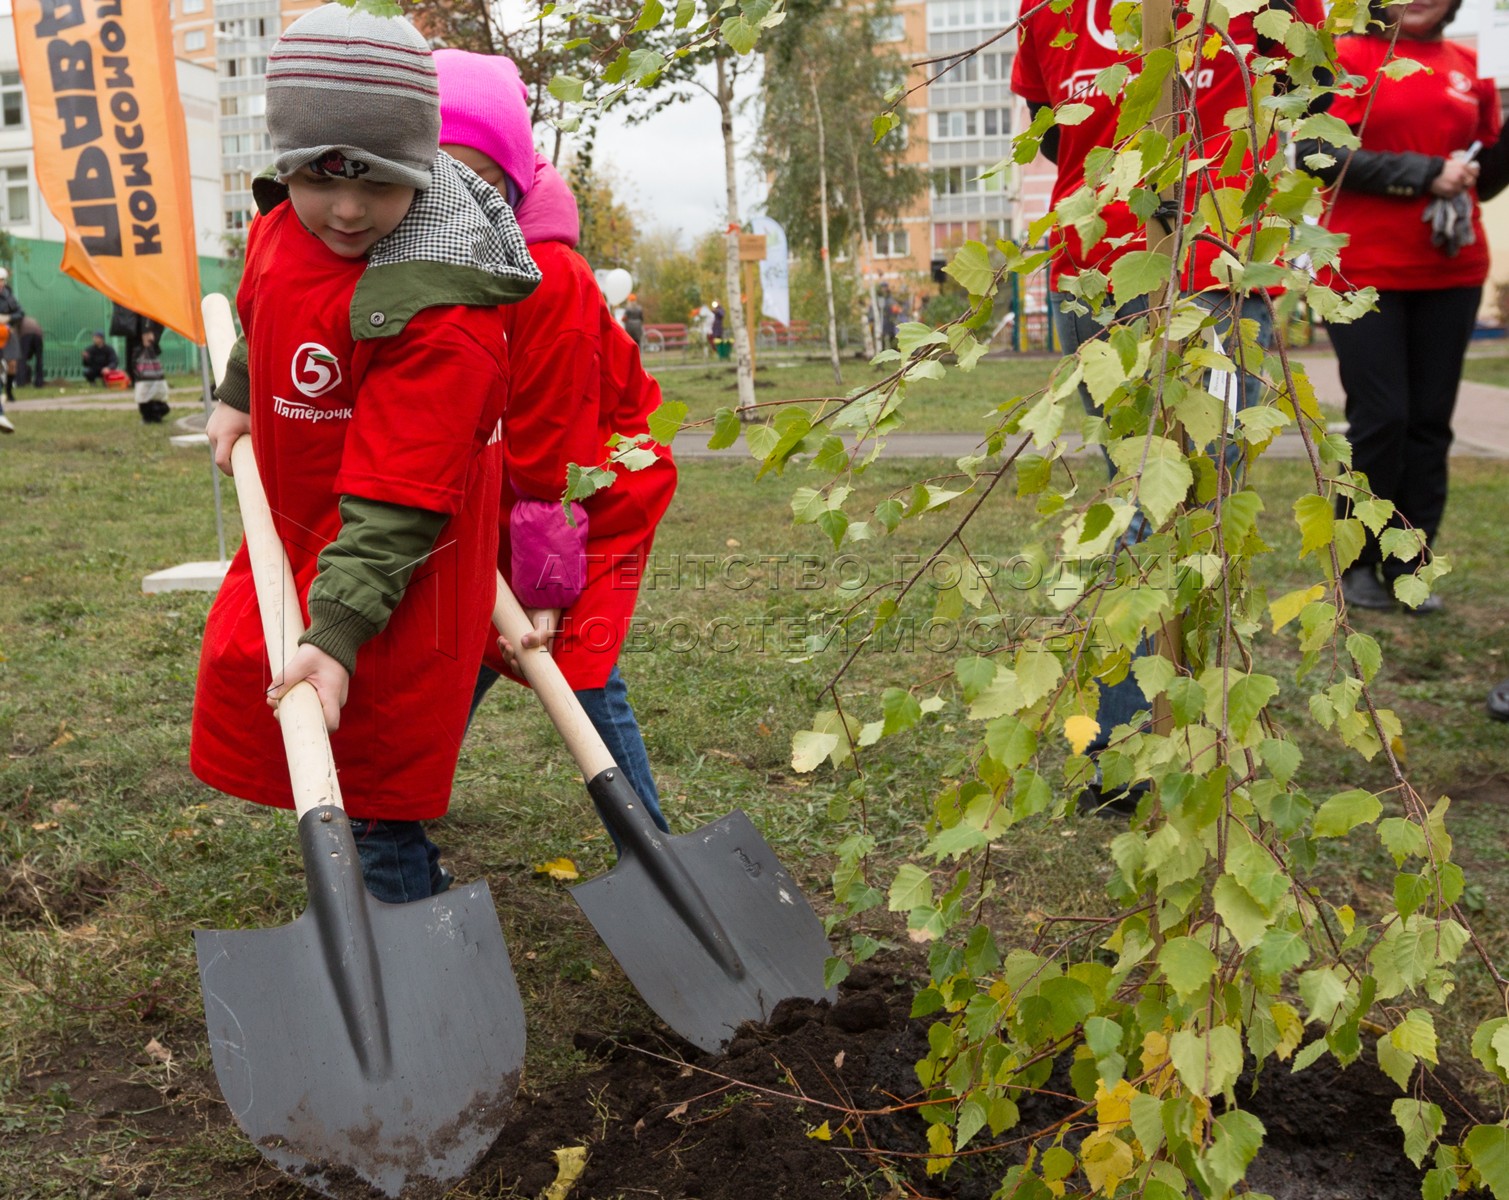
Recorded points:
(1121, 702)
(399, 862)
(612, 716)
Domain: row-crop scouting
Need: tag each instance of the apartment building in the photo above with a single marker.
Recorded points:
(959, 127)
(234, 37)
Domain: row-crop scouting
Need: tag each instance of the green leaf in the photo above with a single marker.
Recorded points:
(1365, 652)
(809, 748)
(649, 16)
(726, 426)
(567, 88)
(739, 34)
(1139, 272)
(901, 710)
(1416, 1035)
(913, 335)
(584, 482)
(1397, 1064)
(974, 674)
(1165, 476)
(1487, 1149)
(971, 268)
(1281, 951)
(1345, 811)
(1421, 1123)
(666, 420)
(835, 971)
(1187, 964)
(1317, 522)
(1010, 742)
(1245, 699)
(1208, 1063)
(912, 888)
(1236, 1138)
(1490, 1046)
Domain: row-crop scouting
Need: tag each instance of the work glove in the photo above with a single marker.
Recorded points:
(1450, 221)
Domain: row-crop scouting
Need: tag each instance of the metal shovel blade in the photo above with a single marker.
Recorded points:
(707, 925)
(365, 1043)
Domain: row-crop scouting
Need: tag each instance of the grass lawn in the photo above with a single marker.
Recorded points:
(958, 404)
(113, 853)
(1488, 362)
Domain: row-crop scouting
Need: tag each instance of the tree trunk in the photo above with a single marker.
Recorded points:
(871, 325)
(822, 200)
(733, 310)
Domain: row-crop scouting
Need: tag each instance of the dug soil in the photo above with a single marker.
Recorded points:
(814, 1104)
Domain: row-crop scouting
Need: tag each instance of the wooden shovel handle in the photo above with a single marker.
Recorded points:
(306, 742)
(544, 675)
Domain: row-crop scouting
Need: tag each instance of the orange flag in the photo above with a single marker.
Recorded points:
(112, 155)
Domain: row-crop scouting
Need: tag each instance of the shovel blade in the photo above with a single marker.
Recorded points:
(777, 940)
(338, 1115)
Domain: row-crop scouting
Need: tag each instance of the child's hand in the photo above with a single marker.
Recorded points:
(225, 425)
(329, 679)
(546, 622)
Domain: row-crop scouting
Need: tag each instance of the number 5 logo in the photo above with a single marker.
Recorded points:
(315, 370)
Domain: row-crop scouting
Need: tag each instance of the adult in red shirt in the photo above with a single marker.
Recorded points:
(1407, 200)
(1061, 50)
(577, 379)
(372, 377)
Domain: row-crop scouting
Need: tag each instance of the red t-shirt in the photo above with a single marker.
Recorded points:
(411, 419)
(1045, 73)
(1443, 108)
(577, 379)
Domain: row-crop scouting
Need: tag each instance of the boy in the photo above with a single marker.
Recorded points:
(372, 377)
(151, 381)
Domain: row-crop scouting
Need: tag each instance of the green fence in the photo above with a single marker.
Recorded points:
(70, 312)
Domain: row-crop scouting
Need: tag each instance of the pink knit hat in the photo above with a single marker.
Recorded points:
(485, 105)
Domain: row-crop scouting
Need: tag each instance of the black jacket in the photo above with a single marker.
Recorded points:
(99, 358)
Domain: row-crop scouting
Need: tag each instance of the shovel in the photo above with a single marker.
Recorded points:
(708, 926)
(365, 1043)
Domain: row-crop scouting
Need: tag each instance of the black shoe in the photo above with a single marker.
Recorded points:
(444, 878)
(1431, 605)
(1122, 802)
(1360, 588)
(1498, 702)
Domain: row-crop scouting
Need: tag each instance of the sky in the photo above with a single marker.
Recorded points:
(670, 169)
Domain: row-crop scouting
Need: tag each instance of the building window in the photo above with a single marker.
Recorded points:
(12, 100)
(894, 243)
(17, 196)
(952, 125)
(963, 70)
(193, 40)
(997, 122)
(192, 6)
(889, 29)
(948, 235)
(956, 181)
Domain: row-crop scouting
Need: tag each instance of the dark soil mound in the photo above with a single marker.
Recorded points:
(660, 1120)
(739, 1128)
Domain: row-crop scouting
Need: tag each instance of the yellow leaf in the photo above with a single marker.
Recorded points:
(1396, 744)
(822, 1133)
(570, 1162)
(1286, 608)
(561, 869)
(1348, 919)
(1113, 1107)
(1106, 1160)
(1080, 730)
(1212, 46)
(941, 1145)
(1291, 1029)
(1154, 1050)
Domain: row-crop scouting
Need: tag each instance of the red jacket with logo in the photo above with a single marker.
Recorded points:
(1059, 54)
(411, 420)
(1437, 111)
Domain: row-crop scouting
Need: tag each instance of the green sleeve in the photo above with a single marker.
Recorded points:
(235, 389)
(364, 572)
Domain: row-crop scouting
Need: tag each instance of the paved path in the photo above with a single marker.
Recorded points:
(1482, 419)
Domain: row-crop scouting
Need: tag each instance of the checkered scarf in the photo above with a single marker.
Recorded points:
(462, 221)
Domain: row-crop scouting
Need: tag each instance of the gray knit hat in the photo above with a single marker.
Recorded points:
(354, 94)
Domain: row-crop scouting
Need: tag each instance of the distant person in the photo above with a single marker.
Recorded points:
(131, 325)
(99, 356)
(151, 380)
(32, 373)
(888, 324)
(715, 333)
(633, 320)
(1408, 202)
(578, 581)
(11, 313)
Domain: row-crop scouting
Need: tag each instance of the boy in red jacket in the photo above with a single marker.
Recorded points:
(577, 379)
(372, 377)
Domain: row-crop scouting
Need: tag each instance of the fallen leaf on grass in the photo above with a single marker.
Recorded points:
(562, 870)
(157, 1052)
(63, 738)
(570, 1162)
(678, 1111)
(44, 826)
(838, 1061)
(822, 1133)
